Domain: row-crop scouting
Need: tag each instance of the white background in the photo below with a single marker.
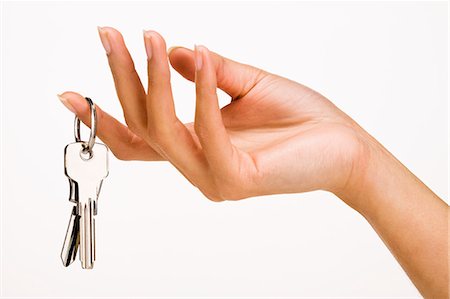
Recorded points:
(384, 63)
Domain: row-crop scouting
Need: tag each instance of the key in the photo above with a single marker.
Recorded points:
(87, 171)
(72, 239)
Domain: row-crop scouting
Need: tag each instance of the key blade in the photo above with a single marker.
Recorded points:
(99, 188)
(87, 234)
(72, 239)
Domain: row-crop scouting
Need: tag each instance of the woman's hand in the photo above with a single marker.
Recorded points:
(276, 135)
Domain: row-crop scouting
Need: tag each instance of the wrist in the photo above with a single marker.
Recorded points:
(410, 219)
(369, 166)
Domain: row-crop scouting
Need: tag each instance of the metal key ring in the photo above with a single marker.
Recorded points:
(91, 142)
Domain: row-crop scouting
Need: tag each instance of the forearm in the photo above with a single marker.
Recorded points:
(410, 219)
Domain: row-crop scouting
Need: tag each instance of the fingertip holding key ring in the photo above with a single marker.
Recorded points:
(87, 148)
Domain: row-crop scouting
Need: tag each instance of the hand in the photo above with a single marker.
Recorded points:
(276, 135)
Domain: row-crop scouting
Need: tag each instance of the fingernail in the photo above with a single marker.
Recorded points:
(105, 39)
(148, 44)
(171, 49)
(198, 59)
(66, 103)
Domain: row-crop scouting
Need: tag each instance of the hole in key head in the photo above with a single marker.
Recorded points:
(86, 154)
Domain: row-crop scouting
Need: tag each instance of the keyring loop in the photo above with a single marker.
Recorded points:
(91, 142)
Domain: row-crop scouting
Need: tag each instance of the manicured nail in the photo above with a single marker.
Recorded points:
(198, 59)
(171, 49)
(148, 44)
(66, 103)
(105, 39)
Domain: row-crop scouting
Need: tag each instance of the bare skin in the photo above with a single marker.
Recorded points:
(275, 136)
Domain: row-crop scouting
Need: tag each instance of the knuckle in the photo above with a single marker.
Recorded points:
(133, 126)
(226, 190)
(160, 79)
(232, 184)
(220, 68)
(227, 193)
(212, 194)
(205, 90)
(158, 135)
(214, 198)
(200, 129)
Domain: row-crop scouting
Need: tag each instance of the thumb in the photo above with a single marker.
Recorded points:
(234, 78)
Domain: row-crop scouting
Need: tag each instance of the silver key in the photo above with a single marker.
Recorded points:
(72, 239)
(87, 171)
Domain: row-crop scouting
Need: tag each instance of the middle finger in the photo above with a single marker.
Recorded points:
(170, 136)
(129, 87)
